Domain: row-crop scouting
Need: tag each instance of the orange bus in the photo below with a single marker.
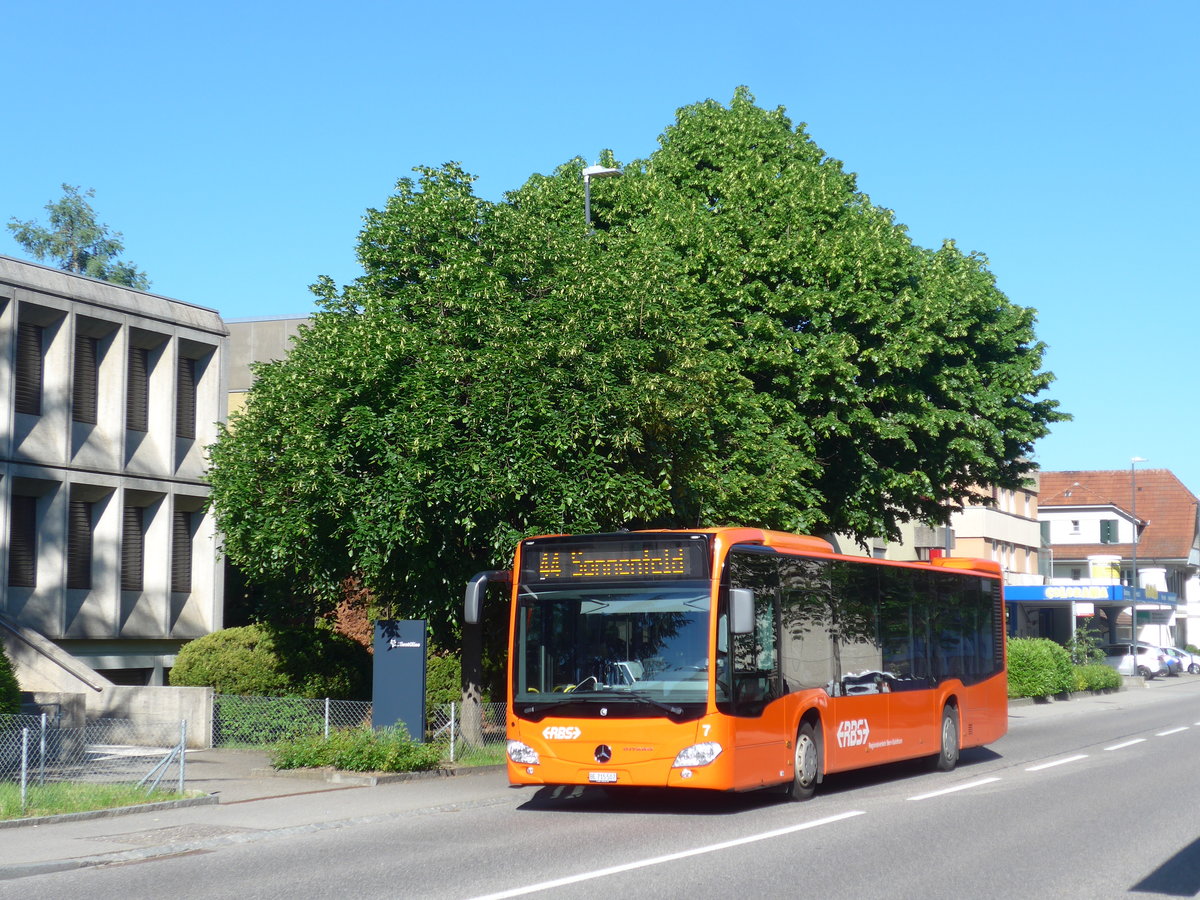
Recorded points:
(734, 659)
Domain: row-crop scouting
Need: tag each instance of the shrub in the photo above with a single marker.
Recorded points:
(255, 721)
(10, 691)
(443, 679)
(358, 750)
(1096, 677)
(262, 661)
(1038, 667)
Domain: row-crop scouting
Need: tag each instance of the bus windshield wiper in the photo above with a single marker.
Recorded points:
(646, 698)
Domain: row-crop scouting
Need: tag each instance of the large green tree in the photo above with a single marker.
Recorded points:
(76, 242)
(742, 337)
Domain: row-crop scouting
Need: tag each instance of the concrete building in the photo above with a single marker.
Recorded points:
(256, 341)
(108, 397)
(1089, 520)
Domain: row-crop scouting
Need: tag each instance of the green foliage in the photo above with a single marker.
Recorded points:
(56, 798)
(1038, 667)
(10, 690)
(1084, 646)
(358, 750)
(263, 661)
(77, 242)
(1096, 677)
(745, 338)
(255, 721)
(1193, 649)
(443, 679)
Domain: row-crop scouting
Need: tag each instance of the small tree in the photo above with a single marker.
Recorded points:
(10, 690)
(77, 243)
(1084, 646)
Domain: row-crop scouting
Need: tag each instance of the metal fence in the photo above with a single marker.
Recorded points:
(42, 762)
(262, 721)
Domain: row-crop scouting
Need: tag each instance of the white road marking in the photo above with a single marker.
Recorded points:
(962, 787)
(670, 857)
(1126, 744)
(1057, 762)
(1172, 731)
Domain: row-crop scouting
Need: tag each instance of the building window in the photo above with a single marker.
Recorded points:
(1108, 531)
(83, 387)
(1076, 574)
(22, 542)
(137, 392)
(79, 545)
(181, 552)
(185, 399)
(28, 370)
(133, 548)
(1074, 526)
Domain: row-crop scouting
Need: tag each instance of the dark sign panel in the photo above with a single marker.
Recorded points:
(573, 561)
(399, 676)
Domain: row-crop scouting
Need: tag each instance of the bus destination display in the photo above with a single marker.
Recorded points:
(614, 561)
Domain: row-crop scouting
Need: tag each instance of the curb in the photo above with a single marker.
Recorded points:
(206, 800)
(331, 775)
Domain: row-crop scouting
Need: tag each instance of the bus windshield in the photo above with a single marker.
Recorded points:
(641, 645)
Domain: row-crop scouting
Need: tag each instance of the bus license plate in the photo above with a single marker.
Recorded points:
(602, 777)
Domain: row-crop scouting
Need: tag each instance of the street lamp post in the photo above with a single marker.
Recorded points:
(588, 174)
(1133, 560)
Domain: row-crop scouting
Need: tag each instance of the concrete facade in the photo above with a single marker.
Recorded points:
(106, 547)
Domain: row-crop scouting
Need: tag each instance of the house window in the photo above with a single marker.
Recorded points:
(185, 399)
(181, 552)
(133, 548)
(1076, 574)
(1108, 531)
(22, 542)
(137, 396)
(86, 376)
(1074, 526)
(79, 545)
(27, 376)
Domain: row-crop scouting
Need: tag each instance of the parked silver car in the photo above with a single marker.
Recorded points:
(1151, 661)
(1189, 662)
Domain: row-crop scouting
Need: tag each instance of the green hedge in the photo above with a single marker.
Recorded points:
(10, 691)
(257, 660)
(1096, 677)
(1038, 667)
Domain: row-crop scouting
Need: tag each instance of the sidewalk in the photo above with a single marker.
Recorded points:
(244, 803)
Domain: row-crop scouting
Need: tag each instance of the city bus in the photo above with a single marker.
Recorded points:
(735, 659)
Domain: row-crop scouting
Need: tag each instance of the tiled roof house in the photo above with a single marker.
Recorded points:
(1090, 515)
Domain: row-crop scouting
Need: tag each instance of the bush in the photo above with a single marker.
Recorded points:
(255, 721)
(258, 660)
(10, 691)
(1038, 667)
(1096, 677)
(443, 679)
(358, 750)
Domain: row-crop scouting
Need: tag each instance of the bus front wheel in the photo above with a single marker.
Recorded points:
(947, 756)
(807, 762)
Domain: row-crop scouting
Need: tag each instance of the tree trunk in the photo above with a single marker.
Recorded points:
(472, 680)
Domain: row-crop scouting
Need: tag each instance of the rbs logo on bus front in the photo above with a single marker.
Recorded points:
(853, 732)
(561, 733)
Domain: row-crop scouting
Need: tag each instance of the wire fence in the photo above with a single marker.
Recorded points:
(262, 721)
(43, 763)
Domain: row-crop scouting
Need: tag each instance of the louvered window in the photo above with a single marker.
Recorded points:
(79, 545)
(181, 552)
(185, 399)
(28, 374)
(83, 390)
(133, 548)
(22, 542)
(137, 400)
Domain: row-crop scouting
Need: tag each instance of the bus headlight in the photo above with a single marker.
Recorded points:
(522, 753)
(697, 755)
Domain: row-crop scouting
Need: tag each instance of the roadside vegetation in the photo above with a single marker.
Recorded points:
(358, 750)
(60, 798)
(1038, 667)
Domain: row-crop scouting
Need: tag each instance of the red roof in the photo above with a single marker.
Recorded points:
(1166, 508)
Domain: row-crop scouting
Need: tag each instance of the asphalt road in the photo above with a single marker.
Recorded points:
(1090, 799)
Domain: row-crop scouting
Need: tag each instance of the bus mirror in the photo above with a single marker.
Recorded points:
(741, 608)
(473, 600)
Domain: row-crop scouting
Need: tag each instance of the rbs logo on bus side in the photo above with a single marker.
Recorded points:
(561, 733)
(853, 732)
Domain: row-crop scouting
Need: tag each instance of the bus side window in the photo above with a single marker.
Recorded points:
(756, 654)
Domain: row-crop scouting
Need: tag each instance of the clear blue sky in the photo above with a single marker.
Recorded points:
(237, 145)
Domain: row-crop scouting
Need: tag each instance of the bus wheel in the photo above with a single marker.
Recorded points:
(807, 763)
(947, 757)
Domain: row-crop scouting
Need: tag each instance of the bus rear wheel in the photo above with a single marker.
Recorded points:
(807, 763)
(947, 756)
